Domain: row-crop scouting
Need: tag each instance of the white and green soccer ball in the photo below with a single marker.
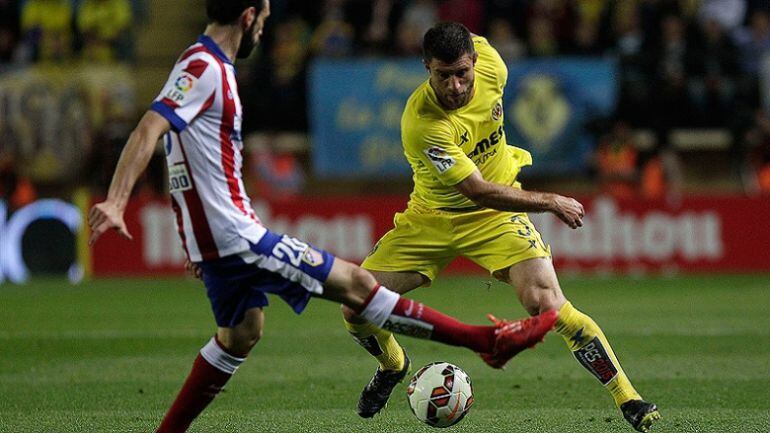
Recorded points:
(440, 394)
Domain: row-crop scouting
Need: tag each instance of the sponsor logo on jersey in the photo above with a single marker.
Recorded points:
(440, 159)
(481, 152)
(178, 178)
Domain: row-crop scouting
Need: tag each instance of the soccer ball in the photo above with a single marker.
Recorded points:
(440, 394)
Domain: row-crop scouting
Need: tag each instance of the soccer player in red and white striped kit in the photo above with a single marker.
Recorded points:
(198, 113)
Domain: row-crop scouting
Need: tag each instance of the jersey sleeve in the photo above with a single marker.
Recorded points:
(189, 91)
(433, 143)
(491, 61)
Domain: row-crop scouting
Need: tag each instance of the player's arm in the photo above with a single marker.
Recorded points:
(506, 198)
(133, 161)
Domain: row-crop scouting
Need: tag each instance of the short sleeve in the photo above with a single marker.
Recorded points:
(434, 144)
(189, 91)
(491, 59)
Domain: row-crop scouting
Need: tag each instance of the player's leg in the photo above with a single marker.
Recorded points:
(538, 290)
(393, 363)
(495, 241)
(408, 256)
(379, 342)
(295, 270)
(358, 289)
(215, 364)
(233, 287)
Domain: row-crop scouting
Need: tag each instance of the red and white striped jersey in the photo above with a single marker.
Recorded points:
(203, 151)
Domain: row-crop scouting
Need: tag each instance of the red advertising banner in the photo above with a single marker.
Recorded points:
(155, 249)
(725, 234)
(347, 227)
(719, 234)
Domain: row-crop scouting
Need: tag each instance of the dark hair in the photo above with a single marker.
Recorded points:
(447, 42)
(227, 11)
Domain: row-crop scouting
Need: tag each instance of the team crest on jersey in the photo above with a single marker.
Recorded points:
(313, 257)
(497, 111)
(439, 158)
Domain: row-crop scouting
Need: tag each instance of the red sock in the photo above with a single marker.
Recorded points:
(203, 384)
(445, 329)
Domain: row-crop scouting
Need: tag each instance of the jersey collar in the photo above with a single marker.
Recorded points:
(214, 48)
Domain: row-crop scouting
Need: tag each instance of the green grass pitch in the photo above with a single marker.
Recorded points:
(110, 355)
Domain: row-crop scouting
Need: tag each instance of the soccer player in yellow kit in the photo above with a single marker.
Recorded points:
(467, 202)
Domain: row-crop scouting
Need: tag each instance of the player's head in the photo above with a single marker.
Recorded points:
(449, 57)
(249, 15)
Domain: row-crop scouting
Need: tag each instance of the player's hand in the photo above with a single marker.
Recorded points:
(193, 269)
(105, 216)
(568, 210)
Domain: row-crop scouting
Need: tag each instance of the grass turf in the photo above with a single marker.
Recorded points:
(110, 355)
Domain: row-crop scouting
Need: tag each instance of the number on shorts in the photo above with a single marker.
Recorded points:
(525, 233)
(291, 248)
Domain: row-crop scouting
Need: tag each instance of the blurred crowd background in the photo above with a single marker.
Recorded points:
(692, 113)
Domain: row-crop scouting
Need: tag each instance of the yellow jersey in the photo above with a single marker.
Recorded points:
(445, 146)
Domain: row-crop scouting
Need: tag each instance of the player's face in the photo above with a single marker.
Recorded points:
(252, 33)
(453, 82)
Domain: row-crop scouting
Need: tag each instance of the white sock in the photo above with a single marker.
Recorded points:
(380, 306)
(221, 360)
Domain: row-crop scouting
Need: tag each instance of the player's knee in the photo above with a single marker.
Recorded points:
(540, 297)
(240, 341)
(362, 280)
(248, 340)
(254, 336)
(239, 345)
(531, 305)
(503, 275)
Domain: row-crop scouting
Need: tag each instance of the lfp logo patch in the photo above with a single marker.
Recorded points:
(439, 158)
(184, 82)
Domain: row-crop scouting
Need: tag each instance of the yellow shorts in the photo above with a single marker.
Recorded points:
(426, 240)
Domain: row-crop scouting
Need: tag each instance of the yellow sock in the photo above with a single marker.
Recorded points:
(379, 343)
(591, 349)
